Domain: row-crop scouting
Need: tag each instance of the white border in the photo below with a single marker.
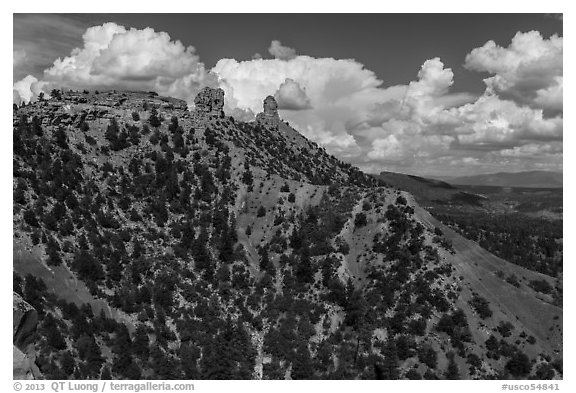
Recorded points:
(303, 6)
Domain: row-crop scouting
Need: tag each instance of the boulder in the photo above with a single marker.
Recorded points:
(25, 319)
(24, 322)
(22, 365)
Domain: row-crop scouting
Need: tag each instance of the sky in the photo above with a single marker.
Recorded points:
(426, 94)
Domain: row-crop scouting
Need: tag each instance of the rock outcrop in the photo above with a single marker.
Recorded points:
(25, 319)
(270, 115)
(210, 102)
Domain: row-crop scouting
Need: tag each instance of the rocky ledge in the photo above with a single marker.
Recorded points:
(210, 102)
(25, 319)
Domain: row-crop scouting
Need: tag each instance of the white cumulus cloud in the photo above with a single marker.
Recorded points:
(338, 90)
(291, 96)
(534, 150)
(114, 57)
(495, 124)
(27, 89)
(280, 51)
(428, 124)
(528, 71)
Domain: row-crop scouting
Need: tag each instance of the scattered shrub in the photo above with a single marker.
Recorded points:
(360, 220)
(261, 212)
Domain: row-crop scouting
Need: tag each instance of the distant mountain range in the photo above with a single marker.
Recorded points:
(535, 179)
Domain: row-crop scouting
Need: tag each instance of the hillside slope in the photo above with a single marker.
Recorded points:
(519, 225)
(157, 242)
(534, 311)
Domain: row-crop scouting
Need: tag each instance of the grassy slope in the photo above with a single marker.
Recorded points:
(61, 281)
(526, 308)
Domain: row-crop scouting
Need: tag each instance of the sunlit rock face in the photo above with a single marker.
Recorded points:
(209, 102)
(270, 114)
(25, 320)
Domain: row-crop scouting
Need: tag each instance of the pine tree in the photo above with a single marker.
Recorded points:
(111, 133)
(304, 271)
(519, 365)
(261, 212)
(388, 369)
(265, 263)
(60, 138)
(53, 336)
(302, 364)
(106, 375)
(154, 120)
(189, 355)
(452, 371)
(141, 342)
(67, 363)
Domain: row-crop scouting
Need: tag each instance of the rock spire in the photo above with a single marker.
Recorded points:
(270, 114)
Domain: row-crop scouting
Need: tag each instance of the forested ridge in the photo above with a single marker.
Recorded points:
(237, 250)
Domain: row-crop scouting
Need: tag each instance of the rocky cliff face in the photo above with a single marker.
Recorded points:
(270, 115)
(210, 102)
(25, 319)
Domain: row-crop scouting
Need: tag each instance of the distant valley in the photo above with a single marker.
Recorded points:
(530, 179)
